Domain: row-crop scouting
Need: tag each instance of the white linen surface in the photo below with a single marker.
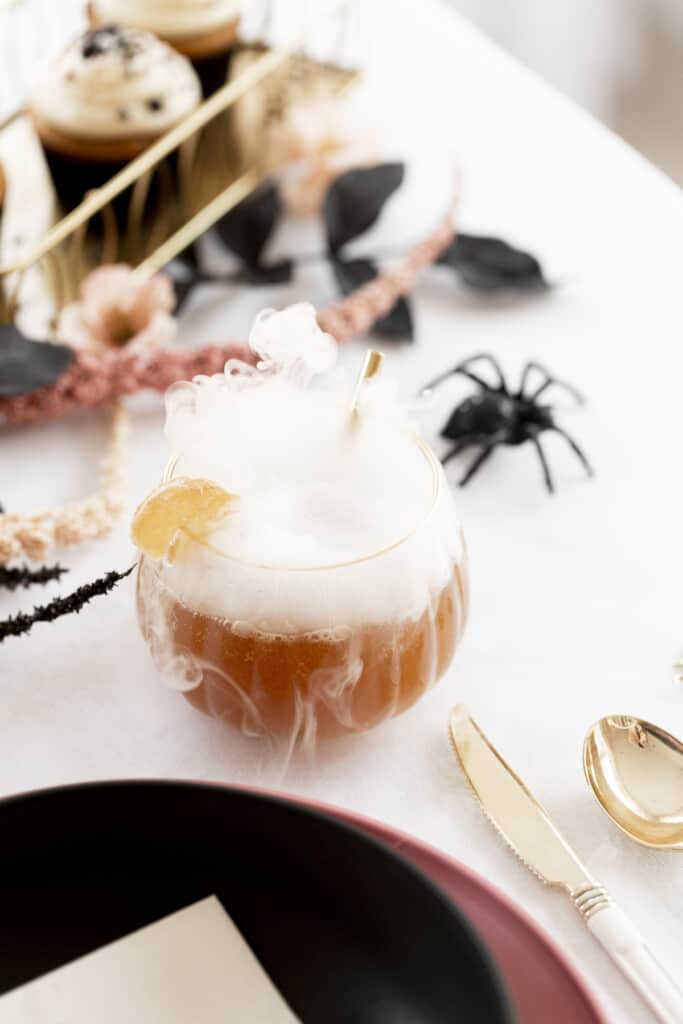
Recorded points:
(576, 599)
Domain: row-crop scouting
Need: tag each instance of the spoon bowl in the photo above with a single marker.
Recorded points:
(635, 770)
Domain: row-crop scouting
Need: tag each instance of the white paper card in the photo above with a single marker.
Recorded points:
(192, 967)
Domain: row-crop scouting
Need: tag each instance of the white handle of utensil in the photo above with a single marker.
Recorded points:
(621, 939)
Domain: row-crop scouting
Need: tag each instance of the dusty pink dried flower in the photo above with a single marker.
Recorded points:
(119, 310)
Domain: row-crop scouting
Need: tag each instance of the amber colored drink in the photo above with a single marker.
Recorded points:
(307, 685)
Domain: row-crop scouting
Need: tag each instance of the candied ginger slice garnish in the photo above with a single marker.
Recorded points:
(182, 503)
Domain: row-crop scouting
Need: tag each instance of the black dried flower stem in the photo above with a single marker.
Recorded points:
(23, 576)
(17, 625)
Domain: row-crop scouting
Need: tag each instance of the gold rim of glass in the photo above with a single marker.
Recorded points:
(435, 467)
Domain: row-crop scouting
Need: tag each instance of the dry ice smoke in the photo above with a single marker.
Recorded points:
(344, 530)
(313, 490)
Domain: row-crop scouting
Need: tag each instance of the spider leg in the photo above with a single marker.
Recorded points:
(463, 368)
(549, 380)
(580, 454)
(569, 388)
(455, 450)
(474, 377)
(528, 367)
(502, 383)
(451, 373)
(478, 462)
(544, 463)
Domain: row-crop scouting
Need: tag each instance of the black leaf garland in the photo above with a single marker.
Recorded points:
(17, 625)
(185, 275)
(246, 230)
(490, 265)
(353, 203)
(281, 272)
(397, 325)
(23, 576)
(190, 256)
(26, 365)
(355, 200)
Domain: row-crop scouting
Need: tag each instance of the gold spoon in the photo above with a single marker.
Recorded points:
(635, 770)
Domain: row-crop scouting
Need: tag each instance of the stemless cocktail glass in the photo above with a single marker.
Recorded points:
(296, 653)
(334, 591)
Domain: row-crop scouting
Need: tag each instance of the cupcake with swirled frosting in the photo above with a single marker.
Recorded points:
(203, 30)
(109, 95)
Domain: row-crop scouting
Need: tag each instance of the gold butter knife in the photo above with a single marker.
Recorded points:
(527, 829)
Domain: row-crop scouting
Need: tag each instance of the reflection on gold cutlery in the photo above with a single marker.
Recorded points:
(635, 770)
(527, 829)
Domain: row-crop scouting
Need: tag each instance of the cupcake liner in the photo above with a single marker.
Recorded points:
(210, 55)
(73, 176)
(78, 165)
(213, 71)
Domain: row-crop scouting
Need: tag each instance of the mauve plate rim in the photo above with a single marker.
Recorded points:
(336, 816)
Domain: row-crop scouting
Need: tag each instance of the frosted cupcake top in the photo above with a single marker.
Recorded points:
(115, 82)
(170, 18)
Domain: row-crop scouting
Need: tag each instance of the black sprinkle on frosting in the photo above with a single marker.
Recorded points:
(155, 104)
(98, 41)
(111, 39)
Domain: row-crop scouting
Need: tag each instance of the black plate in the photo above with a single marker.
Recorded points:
(346, 929)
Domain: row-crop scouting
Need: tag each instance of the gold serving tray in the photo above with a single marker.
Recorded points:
(174, 191)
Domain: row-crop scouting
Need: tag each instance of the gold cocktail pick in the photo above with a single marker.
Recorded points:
(369, 369)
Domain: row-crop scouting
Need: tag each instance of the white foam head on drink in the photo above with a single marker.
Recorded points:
(317, 498)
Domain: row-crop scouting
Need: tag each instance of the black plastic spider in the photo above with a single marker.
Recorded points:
(495, 415)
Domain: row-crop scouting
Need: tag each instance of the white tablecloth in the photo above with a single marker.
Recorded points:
(576, 599)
